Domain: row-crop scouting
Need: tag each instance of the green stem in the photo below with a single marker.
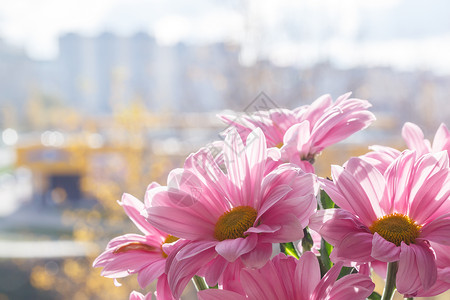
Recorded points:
(389, 288)
(199, 283)
(289, 249)
(410, 298)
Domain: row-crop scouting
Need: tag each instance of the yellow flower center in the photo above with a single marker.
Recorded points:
(396, 228)
(233, 223)
(169, 239)
(279, 145)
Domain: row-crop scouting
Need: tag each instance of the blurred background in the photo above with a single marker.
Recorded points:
(102, 97)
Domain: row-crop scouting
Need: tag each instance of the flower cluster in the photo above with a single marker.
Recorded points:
(223, 219)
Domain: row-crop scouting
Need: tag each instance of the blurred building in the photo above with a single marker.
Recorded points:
(97, 75)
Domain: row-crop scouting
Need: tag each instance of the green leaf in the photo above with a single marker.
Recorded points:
(324, 259)
(325, 200)
(289, 249)
(307, 241)
(346, 271)
(374, 296)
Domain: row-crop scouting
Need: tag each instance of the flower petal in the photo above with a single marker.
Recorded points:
(438, 230)
(320, 292)
(425, 264)
(355, 200)
(414, 138)
(151, 272)
(307, 275)
(384, 250)
(352, 286)
(356, 247)
(214, 294)
(408, 279)
(335, 224)
(441, 139)
(180, 223)
(258, 257)
(232, 249)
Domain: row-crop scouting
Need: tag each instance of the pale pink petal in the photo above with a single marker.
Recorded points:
(219, 295)
(263, 228)
(335, 224)
(356, 247)
(136, 296)
(150, 188)
(307, 275)
(296, 141)
(408, 279)
(414, 138)
(180, 272)
(123, 264)
(121, 240)
(352, 286)
(428, 187)
(258, 256)
(314, 111)
(286, 266)
(356, 200)
(442, 255)
(371, 180)
(194, 248)
(291, 229)
(437, 230)
(215, 270)
(335, 194)
(384, 250)
(256, 153)
(163, 291)
(439, 287)
(398, 177)
(180, 223)
(133, 208)
(320, 292)
(263, 283)
(235, 121)
(442, 139)
(232, 249)
(151, 272)
(425, 264)
(274, 195)
(380, 268)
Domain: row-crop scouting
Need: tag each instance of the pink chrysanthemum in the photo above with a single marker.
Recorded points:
(142, 254)
(305, 131)
(382, 156)
(232, 216)
(390, 217)
(288, 278)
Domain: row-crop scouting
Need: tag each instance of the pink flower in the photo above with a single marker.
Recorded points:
(142, 254)
(305, 131)
(287, 278)
(414, 138)
(382, 156)
(390, 217)
(231, 216)
(138, 296)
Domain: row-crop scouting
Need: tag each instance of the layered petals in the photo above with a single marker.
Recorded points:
(239, 209)
(306, 131)
(287, 278)
(133, 253)
(391, 217)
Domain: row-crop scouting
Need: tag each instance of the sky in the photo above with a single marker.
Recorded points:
(400, 33)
